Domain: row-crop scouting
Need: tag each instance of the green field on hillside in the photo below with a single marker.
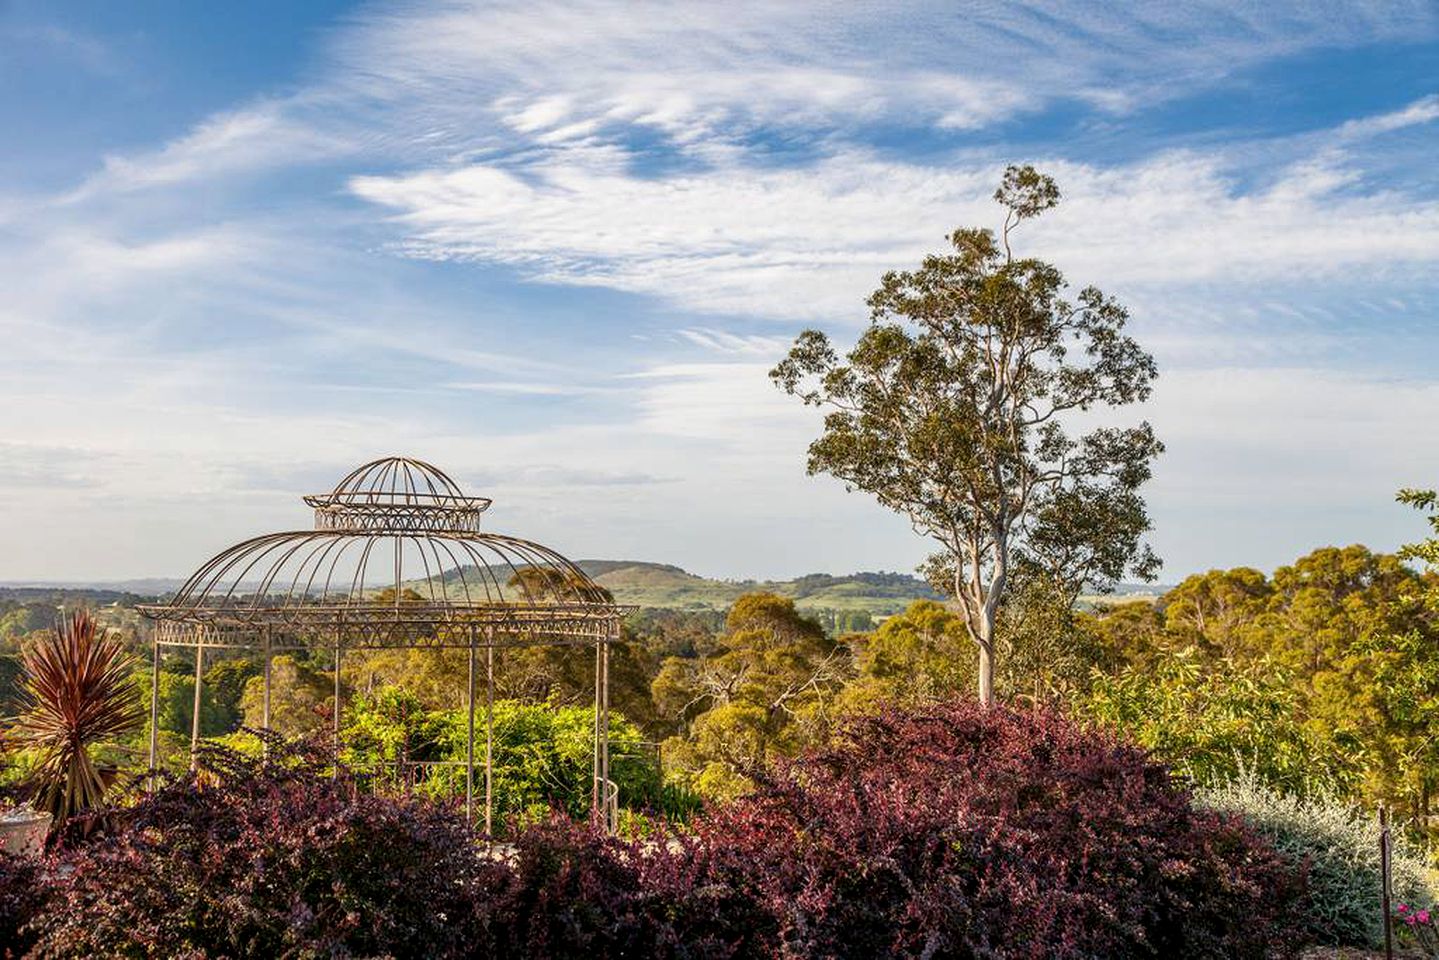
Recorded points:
(661, 585)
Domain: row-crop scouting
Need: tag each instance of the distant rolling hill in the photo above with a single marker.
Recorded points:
(661, 585)
(144, 587)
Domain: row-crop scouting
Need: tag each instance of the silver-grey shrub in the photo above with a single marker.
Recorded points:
(1340, 843)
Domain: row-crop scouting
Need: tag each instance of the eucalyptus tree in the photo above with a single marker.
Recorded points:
(959, 407)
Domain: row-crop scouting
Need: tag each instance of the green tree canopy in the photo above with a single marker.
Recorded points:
(302, 699)
(177, 704)
(225, 683)
(920, 654)
(1350, 635)
(1212, 721)
(772, 676)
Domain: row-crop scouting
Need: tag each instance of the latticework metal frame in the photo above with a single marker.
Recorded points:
(396, 559)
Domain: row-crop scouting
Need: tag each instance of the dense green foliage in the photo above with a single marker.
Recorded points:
(767, 682)
(542, 753)
(177, 703)
(301, 697)
(1324, 676)
(1321, 678)
(1213, 720)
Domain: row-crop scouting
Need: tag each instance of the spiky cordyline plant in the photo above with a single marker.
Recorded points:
(76, 691)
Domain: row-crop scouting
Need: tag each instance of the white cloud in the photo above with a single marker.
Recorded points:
(1264, 465)
(36, 466)
(65, 42)
(1422, 111)
(1237, 434)
(810, 242)
(709, 473)
(261, 136)
(417, 79)
(733, 403)
(689, 71)
(787, 242)
(445, 70)
(725, 342)
(524, 389)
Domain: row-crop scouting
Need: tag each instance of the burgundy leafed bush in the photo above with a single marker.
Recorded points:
(269, 858)
(965, 832)
(579, 893)
(22, 897)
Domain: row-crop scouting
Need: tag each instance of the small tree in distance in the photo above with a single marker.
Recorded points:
(951, 410)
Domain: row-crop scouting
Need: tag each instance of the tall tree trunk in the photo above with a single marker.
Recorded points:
(986, 655)
(986, 675)
(980, 613)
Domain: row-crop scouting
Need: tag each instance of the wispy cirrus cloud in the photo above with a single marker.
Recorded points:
(808, 242)
(261, 136)
(1422, 111)
(699, 72)
(726, 342)
(451, 79)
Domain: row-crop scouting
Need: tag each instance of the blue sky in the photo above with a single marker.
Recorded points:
(554, 247)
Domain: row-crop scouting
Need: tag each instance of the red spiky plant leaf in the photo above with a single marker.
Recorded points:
(77, 690)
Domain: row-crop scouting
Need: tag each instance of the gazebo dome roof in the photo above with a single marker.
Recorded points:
(396, 558)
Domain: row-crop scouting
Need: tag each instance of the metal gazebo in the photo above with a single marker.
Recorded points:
(396, 559)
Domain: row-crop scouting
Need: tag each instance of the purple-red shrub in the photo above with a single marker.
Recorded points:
(273, 857)
(961, 831)
(580, 893)
(22, 896)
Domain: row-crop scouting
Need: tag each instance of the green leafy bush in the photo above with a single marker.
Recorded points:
(225, 683)
(543, 754)
(177, 703)
(1340, 845)
(1211, 721)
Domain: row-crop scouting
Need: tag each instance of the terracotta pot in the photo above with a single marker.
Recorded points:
(23, 834)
